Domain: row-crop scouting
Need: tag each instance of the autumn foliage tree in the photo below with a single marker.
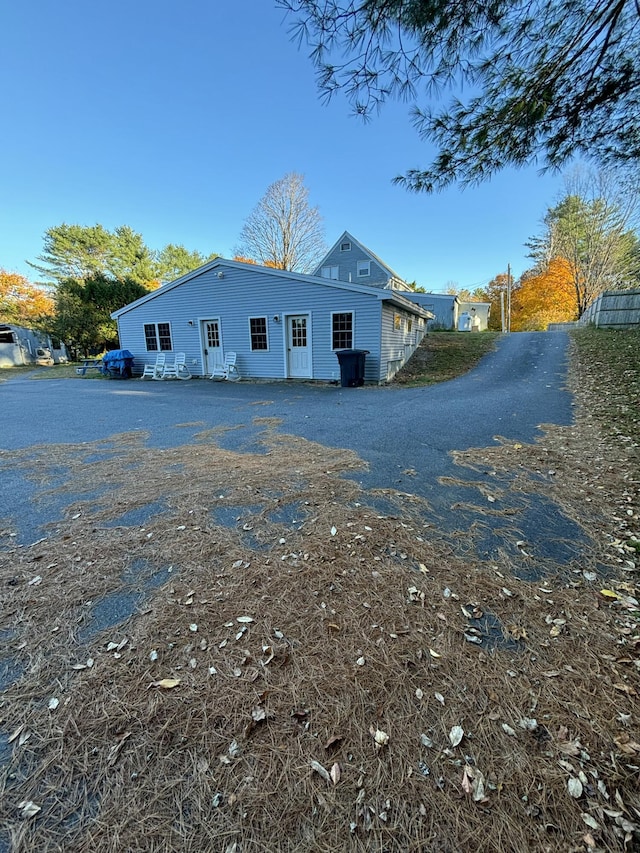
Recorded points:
(544, 296)
(22, 303)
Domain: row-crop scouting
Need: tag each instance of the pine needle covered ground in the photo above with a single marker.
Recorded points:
(302, 673)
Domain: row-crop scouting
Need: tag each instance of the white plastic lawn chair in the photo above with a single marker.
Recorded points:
(177, 370)
(155, 371)
(226, 370)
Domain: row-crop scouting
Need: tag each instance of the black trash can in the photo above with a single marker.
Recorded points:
(352, 367)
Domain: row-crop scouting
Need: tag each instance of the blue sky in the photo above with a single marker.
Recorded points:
(174, 118)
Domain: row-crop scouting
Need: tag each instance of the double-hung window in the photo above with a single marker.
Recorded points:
(342, 330)
(258, 330)
(158, 337)
(329, 272)
(363, 269)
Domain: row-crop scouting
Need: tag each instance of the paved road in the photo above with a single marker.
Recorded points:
(511, 392)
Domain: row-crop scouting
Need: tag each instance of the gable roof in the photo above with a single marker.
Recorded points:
(221, 264)
(346, 236)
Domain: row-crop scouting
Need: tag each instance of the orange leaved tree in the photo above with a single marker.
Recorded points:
(544, 296)
(22, 303)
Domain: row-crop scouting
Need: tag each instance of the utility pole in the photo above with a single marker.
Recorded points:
(502, 309)
(508, 297)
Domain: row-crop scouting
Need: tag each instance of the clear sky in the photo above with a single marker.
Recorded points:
(174, 117)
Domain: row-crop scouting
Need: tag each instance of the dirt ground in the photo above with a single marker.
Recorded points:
(302, 673)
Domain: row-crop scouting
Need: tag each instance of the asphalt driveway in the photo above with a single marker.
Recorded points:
(406, 435)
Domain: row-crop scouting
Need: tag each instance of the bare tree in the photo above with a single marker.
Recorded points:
(284, 231)
(592, 228)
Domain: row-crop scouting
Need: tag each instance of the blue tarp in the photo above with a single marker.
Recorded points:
(117, 362)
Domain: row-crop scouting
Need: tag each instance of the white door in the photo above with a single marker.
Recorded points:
(212, 355)
(298, 347)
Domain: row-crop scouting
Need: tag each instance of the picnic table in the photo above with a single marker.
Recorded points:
(89, 364)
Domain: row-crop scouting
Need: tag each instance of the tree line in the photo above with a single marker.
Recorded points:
(588, 244)
(87, 273)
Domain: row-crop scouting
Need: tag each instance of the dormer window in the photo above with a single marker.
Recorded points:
(345, 247)
(364, 268)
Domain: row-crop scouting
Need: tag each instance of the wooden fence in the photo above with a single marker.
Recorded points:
(613, 309)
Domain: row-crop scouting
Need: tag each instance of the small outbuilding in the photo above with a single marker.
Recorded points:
(20, 346)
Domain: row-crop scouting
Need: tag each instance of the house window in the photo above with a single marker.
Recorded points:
(342, 330)
(329, 272)
(397, 322)
(364, 268)
(409, 325)
(345, 247)
(258, 327)
(158, 337)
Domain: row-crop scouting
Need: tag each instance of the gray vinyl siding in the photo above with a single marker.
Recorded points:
(347, 263)
(443, 305)
(398, 345)
(244, 293)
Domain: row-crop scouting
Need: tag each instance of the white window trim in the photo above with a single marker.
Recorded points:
(361, 265)
(266, 323)
(353, 328)
(157, 323)
(346, 246)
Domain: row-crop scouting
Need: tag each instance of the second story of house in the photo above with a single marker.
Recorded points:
(350, 260)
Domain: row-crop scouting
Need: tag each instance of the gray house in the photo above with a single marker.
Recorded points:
(444, 306)
(349, 260)
(281, 325)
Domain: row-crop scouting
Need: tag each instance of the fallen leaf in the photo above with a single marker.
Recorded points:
(434, 654)
(21, 728)
(609, 593)
(334, 740)
(244, 619)
(508, 730)
(626, 745)
(334, 530)
(53, 703)
(625, 688)
(551, 673)
(315, 765)
(455, 735)
(29, 808)
(259, 713)
(590, 821)
(381, 738)
(166, 683)
(419, 694)
(335, 773)
(439, 697)
(517, 632)
(574, 786)
(467, 786)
